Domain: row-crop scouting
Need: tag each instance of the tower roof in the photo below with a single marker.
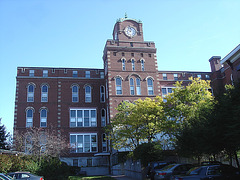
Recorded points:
(126, 18)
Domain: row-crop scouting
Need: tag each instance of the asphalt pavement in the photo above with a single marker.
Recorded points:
(121, 177)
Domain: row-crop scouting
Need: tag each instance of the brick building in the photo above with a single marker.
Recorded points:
(79, 102)
(225, 71)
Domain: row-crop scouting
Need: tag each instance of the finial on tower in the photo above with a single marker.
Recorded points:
(126, 15)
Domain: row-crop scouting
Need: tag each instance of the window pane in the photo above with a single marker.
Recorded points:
(73, 113)
(164, 91)
(44, 113)
(86, 117)
(29, 113)
(30, 88)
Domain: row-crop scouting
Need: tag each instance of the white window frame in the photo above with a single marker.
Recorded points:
(30, 95)
(75, 74)
(102, 94)
(43, 119)
(132, 86)
(167, 91)
(45, 73)
(102, 75)
(29, 119)
(150, 87)
(75, 94)
(31, 73)
(138, 86)
(44, 95)
(164, 76)
(118, 86)
(79, 117)
(87, 74)
(88, 95)
(175, 77)
(87, 147)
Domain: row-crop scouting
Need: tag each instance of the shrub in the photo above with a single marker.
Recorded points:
(148, 152)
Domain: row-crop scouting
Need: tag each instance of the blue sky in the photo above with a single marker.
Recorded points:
(73, 33)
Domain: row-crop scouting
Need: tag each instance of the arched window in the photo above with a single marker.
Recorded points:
(142, 65)
(30, 93)
(88, 94)
(44, 93)
(118, 86)
(103, 117)
(138, 83)
(75, 97)
(29, 117)
(123, 64)
(150, 86)
(43, 118)
(132, 91)
(133, 65)
(102, 94)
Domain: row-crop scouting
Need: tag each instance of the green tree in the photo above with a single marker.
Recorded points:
(186, 104)
(3, 137)
(137, 122)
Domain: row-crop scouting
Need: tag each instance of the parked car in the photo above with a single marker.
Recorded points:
(25, 175)
(213, 172)
(153, 166)
(5, 177)
(172, 169)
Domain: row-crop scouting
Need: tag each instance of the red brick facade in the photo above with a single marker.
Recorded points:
(128, 60)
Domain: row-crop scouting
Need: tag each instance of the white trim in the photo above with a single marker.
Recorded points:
(229, 56)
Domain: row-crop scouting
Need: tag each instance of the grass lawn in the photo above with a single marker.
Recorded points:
(91, 177)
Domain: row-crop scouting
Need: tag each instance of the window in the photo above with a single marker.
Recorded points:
(83, 118)
(164, 76)
(75, 74)
(123, 54)
(30, 93)
(31, 73)
(102, 94)
(88, 94)
(132, 92)
(142, 65)
(150, 86)
(103, 117)
(175, 77)
(43, 118)
(149, 55)
(82, 143)
(207, 76)
(133, 65)
(165, 91)
(45, 73)
(29, 117)
(102, 75)
(141, 54)
(114, 53)
(104, 143)
(123, 64)
(87, 74)
(75, 162)
(131, 44)
(118, 86)
(75, 93)
(138, 83)
(44, 93)
(132, 54)
(199, 76)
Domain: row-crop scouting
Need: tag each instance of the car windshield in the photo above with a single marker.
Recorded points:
(169, 166)
(194, 171)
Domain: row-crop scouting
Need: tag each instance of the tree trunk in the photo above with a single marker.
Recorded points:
(236, 158)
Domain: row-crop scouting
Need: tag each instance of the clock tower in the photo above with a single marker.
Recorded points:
(128, 29)
(130, 65)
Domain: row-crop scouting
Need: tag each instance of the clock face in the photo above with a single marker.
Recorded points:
(130, 31)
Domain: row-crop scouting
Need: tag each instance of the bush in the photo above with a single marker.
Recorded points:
(148, 152)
